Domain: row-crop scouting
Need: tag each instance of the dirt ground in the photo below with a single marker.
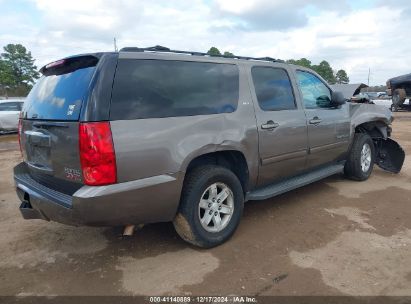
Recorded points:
(334, 237)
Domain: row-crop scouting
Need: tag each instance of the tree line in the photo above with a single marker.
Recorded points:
(17, 71)
(324, 68)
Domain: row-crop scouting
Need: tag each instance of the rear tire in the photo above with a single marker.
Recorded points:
(360, 161)
(399, 97)
(211, 206)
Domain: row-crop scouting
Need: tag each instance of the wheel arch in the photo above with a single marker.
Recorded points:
(377, 129)
(233, 160)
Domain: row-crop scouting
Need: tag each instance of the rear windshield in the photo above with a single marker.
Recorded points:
(161, 88)
(58, 97)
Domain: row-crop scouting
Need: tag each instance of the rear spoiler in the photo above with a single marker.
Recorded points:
(68, 65)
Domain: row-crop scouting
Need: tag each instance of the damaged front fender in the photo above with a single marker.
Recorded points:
(375, 121)
(366, 113)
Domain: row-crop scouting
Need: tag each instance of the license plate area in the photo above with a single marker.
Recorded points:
(39, 157)
(38, 148)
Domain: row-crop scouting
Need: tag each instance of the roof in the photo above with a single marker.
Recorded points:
(400, 81)
(400, 78)
(349, 90)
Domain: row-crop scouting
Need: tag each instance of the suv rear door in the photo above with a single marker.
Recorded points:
(50, 122)
(281, 124)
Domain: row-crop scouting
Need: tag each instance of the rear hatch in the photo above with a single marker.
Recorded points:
(50, 123)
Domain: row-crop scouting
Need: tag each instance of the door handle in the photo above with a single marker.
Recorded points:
(315, 121)
(269, 125)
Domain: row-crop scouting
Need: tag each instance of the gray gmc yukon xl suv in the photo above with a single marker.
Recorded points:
(153, 135)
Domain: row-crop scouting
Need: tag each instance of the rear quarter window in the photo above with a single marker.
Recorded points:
(162, 88)
(273, 89)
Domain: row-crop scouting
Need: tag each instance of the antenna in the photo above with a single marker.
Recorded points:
(115, 45)
(369, 73)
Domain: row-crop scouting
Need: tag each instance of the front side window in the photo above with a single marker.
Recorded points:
(315, 93)
(164, 88)
(273, 89)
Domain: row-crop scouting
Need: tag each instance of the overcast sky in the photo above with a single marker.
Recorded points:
(351, 34)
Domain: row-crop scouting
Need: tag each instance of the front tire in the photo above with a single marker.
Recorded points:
(211, 206)
(361, 158)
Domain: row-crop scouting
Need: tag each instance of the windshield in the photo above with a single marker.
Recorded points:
(58, 97)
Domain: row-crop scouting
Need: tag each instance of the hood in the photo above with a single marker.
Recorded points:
(349, 90)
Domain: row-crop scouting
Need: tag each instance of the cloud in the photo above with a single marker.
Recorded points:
(402, 5)
(266, 15)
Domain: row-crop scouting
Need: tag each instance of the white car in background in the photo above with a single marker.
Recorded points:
(9, 114)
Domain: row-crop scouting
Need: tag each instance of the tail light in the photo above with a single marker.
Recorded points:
(97, 156)
(20, 129)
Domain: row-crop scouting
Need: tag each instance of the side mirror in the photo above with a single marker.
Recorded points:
(338, 99)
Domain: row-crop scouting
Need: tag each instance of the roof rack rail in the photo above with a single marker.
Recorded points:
(163, 49)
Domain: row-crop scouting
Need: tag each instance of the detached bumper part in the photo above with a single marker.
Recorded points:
(390, 156)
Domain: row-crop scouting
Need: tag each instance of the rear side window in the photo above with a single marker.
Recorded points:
(58, 97)
(10, 106)
(162, 88)
(273, 89)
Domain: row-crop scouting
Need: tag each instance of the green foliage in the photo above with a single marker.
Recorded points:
(342, 77)
(213, 51)
(17, 70)
(301, 62)
(326, 72)
(324, 69)
(6, 74)
(228, 54)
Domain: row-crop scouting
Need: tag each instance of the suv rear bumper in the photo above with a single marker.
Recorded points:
(149, 200)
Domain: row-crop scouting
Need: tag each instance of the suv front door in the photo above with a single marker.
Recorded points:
(328, 126)
(282, 127)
